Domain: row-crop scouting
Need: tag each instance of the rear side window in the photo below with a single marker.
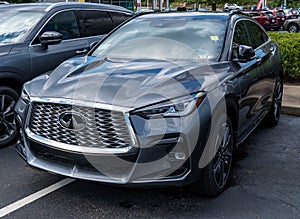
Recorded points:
(258, 36)
(92, 23)
(119, 18)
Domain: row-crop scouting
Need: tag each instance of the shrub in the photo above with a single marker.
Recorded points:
(289, 44)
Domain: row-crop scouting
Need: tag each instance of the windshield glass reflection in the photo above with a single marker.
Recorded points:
(15, 25)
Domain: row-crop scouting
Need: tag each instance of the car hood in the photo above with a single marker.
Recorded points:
(5, 49)
(133, 84)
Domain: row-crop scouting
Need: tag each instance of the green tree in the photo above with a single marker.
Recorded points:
(214, 3)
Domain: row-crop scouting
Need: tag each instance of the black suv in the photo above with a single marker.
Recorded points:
(36, 38)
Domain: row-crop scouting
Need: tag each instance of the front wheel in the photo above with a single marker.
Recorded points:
(273, 116)
(8, 129)
(214, 176)
(293, 28)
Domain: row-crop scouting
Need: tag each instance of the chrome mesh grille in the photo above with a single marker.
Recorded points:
(104, 128)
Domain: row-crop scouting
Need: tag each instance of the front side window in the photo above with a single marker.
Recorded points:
(165, 37)
(64, 23)
(16, 25)
(240, 37)
(270, 14)
(280, 13)
(93, 23)
(258, 36)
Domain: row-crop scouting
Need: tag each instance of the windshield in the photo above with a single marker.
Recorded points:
(166, 38)
(280, 13)
(15, 25)
(270, 14)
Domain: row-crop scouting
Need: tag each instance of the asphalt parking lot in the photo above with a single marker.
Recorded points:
(265, 184)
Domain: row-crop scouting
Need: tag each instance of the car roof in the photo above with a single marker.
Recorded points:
(207, 14)
(65, 5)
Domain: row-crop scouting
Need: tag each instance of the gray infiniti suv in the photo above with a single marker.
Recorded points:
(163, 100)
(36, 38)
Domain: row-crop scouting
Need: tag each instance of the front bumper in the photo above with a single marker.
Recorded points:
(167, 152)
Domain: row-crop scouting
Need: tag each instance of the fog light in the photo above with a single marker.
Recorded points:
(180, 155)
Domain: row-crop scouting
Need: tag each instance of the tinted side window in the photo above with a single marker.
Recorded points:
(92, 23)
(119, 18)
(64, 23)
(258, 36)
(240, 37)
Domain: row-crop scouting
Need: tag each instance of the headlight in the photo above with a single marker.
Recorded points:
(181, 106)
(24, 95)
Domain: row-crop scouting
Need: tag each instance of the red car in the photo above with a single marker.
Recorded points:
(280, 16)
(266, 19)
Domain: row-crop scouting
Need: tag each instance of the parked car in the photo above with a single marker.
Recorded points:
(265, 18)
(229, 7)
(280, 16)
(292, 25)
(36, 38)
(162, 100)
(291, 13)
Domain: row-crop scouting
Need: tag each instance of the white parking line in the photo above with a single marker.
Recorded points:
(31, 198)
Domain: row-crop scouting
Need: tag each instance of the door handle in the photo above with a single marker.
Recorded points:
(258, 59)
(272, 50)
(83, 51)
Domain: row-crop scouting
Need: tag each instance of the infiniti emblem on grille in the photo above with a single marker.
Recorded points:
(72, 120)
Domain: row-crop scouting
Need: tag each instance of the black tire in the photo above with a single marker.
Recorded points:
(293, 28)
(272, 118)
(8, 129)
(215, 174)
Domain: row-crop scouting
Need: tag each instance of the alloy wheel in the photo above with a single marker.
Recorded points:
(223, 157)
(293, 28)
(277, 100)
(7, 118)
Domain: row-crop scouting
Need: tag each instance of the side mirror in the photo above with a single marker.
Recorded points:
(50, 38)
(245, 54)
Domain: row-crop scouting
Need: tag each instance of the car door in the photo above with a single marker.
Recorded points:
(266, 58)
(249, 76)
(64, 22)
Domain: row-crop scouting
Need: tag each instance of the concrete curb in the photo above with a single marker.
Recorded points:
(290, 110)
(291, 100)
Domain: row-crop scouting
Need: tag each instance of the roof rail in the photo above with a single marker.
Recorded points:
(233, 12)
(139, 13)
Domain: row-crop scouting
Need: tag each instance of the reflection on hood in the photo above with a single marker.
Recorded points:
(131, 83)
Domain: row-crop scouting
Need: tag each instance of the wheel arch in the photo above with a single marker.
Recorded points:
(11, 80)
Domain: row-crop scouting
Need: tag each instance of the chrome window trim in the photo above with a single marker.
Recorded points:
(255, 22)
(76, 148)
(46, 22)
